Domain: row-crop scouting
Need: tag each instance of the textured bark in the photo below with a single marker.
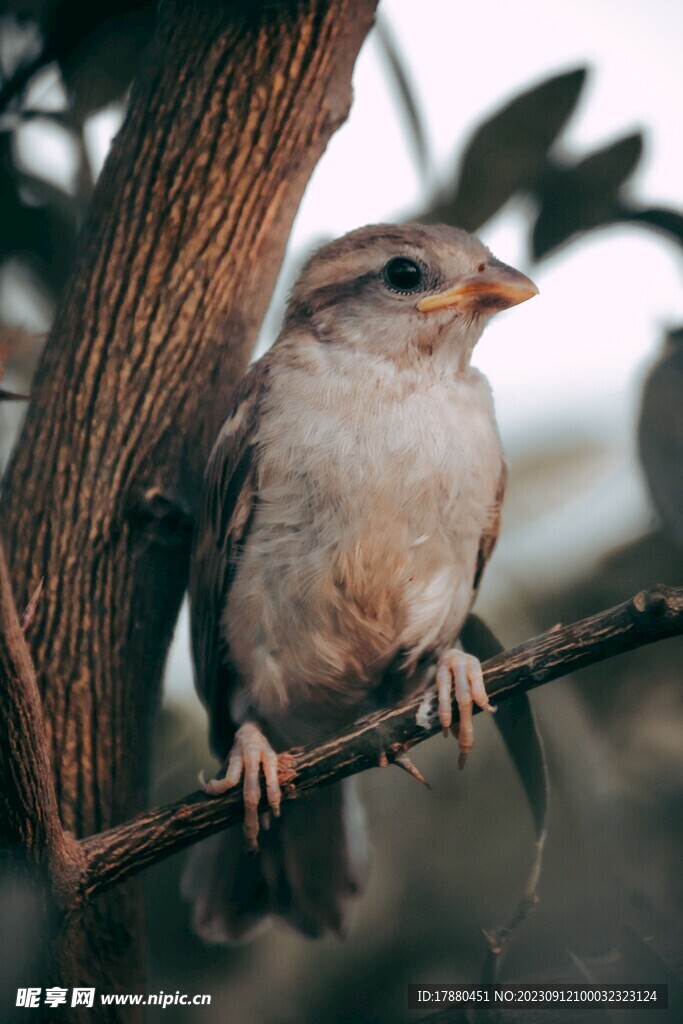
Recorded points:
(377, 739)
(188, 225)
(29, 821)
(41, 869)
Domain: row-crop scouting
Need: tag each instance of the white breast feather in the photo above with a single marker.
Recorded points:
(375, 489)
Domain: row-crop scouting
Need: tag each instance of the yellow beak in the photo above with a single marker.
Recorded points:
(495, 288)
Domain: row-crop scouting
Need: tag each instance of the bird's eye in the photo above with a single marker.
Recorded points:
(403, 275)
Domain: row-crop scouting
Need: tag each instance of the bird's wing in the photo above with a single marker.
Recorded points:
(490, 534)
(225, 516)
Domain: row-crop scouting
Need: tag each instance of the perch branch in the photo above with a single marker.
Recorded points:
(381, 737)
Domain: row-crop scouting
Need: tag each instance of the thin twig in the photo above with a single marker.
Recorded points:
(150, 837)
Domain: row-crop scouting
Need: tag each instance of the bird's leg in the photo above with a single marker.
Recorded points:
(250, 751)
(461, 672)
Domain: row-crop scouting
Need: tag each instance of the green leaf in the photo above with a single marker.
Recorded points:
(508, 152)
(99, 67)
(606, 170)
(657, 218)
(42, 235)
(583, 196)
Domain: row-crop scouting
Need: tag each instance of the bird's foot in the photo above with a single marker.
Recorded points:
(250, 752)
(459, 674)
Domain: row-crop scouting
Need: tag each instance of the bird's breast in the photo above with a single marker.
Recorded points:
(374, 492)
(379, 453)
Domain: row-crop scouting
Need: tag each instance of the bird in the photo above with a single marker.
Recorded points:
(350, 504)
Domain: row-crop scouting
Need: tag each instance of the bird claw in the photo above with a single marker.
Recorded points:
(459, 672)
(250, 752)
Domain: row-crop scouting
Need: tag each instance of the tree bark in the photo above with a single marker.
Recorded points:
(188, 225)
(29, 821)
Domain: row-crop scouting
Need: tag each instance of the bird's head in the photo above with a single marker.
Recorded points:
(396, 290)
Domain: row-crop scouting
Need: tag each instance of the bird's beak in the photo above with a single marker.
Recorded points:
(496, 287)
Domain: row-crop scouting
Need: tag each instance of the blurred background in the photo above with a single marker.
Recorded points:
(554, 134)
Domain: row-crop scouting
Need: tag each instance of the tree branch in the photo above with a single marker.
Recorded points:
(120, 852)
(29, 819)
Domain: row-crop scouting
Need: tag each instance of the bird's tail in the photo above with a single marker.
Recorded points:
(311, 864)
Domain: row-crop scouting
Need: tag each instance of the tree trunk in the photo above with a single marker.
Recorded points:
(188, 225)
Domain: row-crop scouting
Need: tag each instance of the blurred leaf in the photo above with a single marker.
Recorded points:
(25, 9)
(43, 235)
(20, 42)
(642, 959)
(607, 169)
(508, 152)
(660, 436)
(404, 89)
(97, 46)
(99, 66)
(21, 55)
(668, 222)
(517, 725)
(583, 196)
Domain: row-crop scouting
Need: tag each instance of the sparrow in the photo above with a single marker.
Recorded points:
(351, 503)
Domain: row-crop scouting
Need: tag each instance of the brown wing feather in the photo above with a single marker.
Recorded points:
(224, 520)
(490, 535)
